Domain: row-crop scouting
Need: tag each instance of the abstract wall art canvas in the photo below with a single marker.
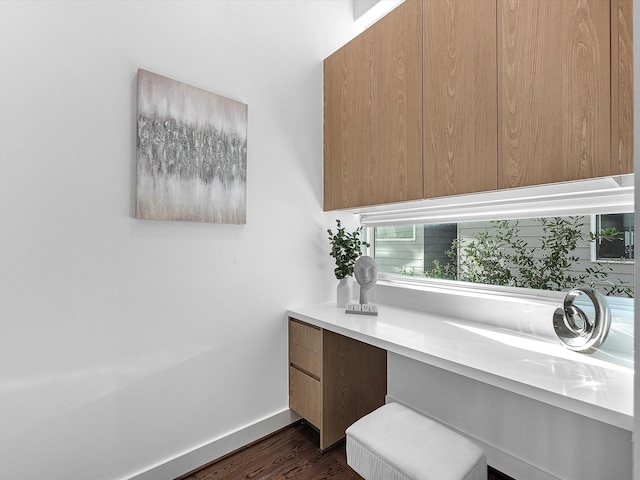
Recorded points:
(191, 153)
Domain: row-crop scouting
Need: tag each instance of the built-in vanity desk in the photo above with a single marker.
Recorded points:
(333, 379)
(540, 410)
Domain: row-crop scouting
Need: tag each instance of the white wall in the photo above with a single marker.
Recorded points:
(126, 342)
(636, 169)
(360, 7)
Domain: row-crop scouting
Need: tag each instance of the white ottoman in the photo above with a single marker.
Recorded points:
(397, 443)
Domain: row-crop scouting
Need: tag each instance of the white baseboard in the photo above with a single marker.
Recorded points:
(192, 459)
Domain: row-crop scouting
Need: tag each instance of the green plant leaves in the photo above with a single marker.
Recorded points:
(346, 247)
(501, 257)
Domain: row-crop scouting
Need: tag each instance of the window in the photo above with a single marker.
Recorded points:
(613, 237)
(402, 233)
(552, 253)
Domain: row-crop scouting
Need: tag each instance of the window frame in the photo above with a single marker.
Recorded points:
(594, 253)
(420, 282)
(412, 239)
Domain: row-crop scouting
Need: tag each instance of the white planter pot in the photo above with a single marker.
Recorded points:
(344, 292)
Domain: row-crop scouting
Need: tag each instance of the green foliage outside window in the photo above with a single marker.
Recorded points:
(500, 257)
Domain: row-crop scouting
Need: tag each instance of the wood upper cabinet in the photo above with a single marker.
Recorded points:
(622, 87)
(460, 105)
(396, 105)
(445, 97)
(347, 138)
(558, 91)
(373, 114)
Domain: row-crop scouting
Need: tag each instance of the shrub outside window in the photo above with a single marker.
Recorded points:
(555, 253)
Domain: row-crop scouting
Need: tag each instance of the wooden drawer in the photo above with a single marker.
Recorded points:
(305, 396)
(306, 336)
(304, 359)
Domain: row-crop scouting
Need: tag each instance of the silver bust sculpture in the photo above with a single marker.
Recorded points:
(366, 272)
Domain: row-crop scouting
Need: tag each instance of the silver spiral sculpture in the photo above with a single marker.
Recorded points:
(577, 330)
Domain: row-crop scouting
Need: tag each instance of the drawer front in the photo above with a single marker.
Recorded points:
(304, 396)
(306, 336)
(304, 359)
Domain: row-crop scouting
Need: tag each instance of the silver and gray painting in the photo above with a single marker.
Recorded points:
(191, 153)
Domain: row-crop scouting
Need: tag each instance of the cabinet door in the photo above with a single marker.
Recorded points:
(396, 105)
(305, 396)
(621, 87)
(354, 383)
(347, 140)
(460, 105)
(554, 90)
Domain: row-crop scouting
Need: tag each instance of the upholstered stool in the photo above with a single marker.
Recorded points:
(397, 443)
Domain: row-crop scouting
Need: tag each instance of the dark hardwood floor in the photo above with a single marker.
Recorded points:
(291, 453)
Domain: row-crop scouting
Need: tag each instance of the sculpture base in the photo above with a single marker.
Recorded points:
(362, 309)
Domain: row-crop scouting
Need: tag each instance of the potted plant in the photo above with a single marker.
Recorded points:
(346, 247)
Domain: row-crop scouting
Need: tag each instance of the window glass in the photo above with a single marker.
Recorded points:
(402, 233)
(614, 237)
(555, 253)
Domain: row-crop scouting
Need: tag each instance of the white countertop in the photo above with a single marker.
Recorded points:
(533, 367)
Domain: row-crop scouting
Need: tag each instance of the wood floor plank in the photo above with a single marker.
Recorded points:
(290, 454)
